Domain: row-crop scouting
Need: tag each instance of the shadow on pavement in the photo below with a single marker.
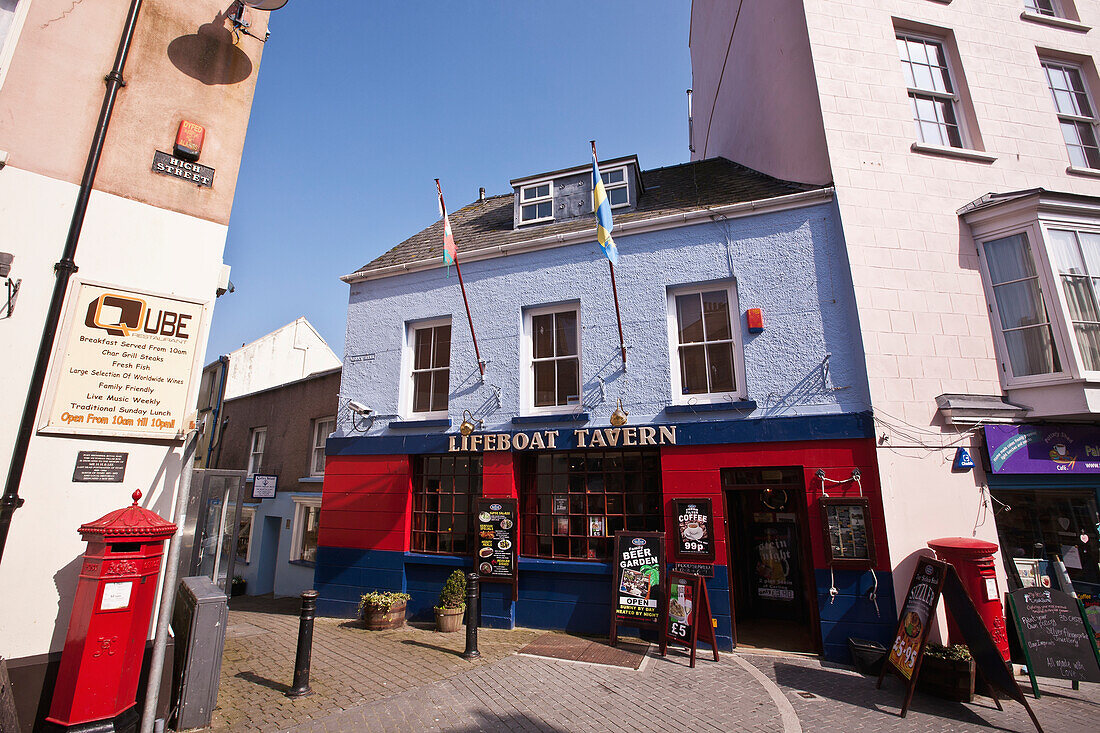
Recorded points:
(262, 681)
(286, 606)
(515, 721)
(433, 647)
(860, 692)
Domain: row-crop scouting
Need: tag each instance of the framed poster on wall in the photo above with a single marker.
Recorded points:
(694, 529)
(849, 540)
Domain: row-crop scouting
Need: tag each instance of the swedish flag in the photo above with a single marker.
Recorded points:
(602, 207)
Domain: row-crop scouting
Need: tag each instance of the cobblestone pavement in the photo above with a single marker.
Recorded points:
(413, 679)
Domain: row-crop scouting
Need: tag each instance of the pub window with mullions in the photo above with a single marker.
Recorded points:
(444, 489)
(574, 502)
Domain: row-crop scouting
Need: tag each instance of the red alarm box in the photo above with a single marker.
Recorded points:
(755, 317)
(189, 139)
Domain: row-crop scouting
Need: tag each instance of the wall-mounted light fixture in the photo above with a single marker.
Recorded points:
(469, 424)
(618, 418)
(12, 286)
(240, 25)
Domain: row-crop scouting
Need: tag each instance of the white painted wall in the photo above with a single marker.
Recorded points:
(125, 243)
(292, 352)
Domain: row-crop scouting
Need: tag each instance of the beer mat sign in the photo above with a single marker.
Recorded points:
(1056, 641)
(917, 613)
(93, 466)
(124, 364)
(688, 619)
(694, 529)
(497, 537)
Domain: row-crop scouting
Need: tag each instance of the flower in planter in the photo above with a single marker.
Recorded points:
(383, 601)
(453, 595)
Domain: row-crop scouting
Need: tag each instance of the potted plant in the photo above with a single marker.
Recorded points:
(452, 603)
(238, 586)
(380, 609)
(947, 672)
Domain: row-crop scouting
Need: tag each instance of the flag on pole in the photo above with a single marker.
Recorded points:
(602, 207)
(449, 249)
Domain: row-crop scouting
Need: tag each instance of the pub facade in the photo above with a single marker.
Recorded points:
(736, 420)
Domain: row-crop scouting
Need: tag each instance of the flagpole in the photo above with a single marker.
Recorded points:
(462, 286)
(611, 265)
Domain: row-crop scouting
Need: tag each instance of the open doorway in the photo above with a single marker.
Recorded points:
(771, 568)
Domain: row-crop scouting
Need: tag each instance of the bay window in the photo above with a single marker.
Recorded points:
(1075, 256)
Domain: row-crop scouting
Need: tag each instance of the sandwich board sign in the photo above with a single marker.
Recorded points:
(638, 583)
(688, 619)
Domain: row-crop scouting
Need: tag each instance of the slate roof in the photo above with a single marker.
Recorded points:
(674, 189)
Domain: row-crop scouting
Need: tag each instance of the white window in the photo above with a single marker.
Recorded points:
(244, 534)
(1075, 256)
(256, 451)
(429, 373)
(552, 358)
(536, 203)
(1076, 113)
(322, 428)
(932, 95)
(307, 521)
(1020, 311)
(706, 356)
(12, 15)
(615, 184)
(1042, 7)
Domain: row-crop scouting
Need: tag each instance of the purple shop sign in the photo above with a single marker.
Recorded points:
(1043, 448)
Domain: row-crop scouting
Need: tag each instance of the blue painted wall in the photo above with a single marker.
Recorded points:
(290, 578)
(790, 263)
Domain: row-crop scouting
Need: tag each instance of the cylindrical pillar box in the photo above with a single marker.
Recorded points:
(973, 560)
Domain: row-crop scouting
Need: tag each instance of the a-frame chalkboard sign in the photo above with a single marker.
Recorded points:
(639, 585)
(1054, 635)
(931, 579)
(688, 619)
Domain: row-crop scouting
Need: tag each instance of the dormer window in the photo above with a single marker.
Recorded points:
(615, 183)
(536, 203)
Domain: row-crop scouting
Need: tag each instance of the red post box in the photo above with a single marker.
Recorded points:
(97, 682)
(973, 560)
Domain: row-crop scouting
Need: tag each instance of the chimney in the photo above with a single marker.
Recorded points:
(481, 194)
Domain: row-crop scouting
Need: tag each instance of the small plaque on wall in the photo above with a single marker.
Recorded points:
(93, 466)
(849, 540)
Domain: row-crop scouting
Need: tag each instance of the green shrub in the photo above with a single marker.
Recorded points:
(453, 594)
(381, 600)
(954, 653)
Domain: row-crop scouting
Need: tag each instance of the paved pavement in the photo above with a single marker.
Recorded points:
(413, 679)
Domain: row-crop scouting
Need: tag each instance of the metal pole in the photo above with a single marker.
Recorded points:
(64, 268)
(305, 646)
(168, 588)
(462, 286)
(618, 316)
(472, 594)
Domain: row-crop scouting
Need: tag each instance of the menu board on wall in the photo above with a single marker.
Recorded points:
(694, 529)
(849, 542)
(638, 581)
(495, 546)
(124, 364)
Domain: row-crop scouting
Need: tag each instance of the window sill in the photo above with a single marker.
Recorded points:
(1089, 172)
(1064, 23)
(311, 479)
(303, 563)
(946, 151)
(423, 558)
(580, 567)
(442, 422)
(739, 406)
(551, 417)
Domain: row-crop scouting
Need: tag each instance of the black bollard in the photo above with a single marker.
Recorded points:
(471, 617)
(305, 646)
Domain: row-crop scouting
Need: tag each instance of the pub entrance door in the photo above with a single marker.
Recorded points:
(771, 571)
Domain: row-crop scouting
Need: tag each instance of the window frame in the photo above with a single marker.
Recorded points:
(527, 360)
(473, 475)
(1056, 10)
(1094, 121)
(249, 513)
(1064, 324)
(967, 139)
(302, 504)
(524, 201)
(11, 41)
(607, 187)
(255, 465)
(407, 393)
(736, 339)
(317, 423)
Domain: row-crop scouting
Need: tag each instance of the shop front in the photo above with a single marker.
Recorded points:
(1045, 484)
(742, 503)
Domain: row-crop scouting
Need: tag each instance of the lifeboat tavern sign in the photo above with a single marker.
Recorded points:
(631, 437)
(124, 364)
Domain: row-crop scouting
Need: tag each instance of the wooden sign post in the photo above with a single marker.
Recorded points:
(638, 583)
(689, 620)
(1054, 635)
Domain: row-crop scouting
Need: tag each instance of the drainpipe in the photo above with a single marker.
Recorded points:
(64, 269)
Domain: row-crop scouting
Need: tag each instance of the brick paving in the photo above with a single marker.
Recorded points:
(413, 679)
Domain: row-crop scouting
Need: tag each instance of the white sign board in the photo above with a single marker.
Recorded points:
(116, 595)
(124, 364)
(263, 487)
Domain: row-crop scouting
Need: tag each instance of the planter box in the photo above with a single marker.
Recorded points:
(947, 678)
(378, 620)
(449, 619)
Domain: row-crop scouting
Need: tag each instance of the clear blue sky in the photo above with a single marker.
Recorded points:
(360, 105)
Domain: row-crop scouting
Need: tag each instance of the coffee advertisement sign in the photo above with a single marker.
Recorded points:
(639, 565)
(497, 537)
(124, 364)
(694, 531)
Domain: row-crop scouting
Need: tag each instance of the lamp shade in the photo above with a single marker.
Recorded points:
(265, 4)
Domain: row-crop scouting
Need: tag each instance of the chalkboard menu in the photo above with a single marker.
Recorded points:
(916, 616)
(1053, 634)
(495, 550)
(694, 530)
(849, 542)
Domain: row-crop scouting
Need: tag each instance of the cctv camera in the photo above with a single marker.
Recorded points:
(359, 408)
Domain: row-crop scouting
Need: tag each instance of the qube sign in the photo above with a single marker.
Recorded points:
(124, 364)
